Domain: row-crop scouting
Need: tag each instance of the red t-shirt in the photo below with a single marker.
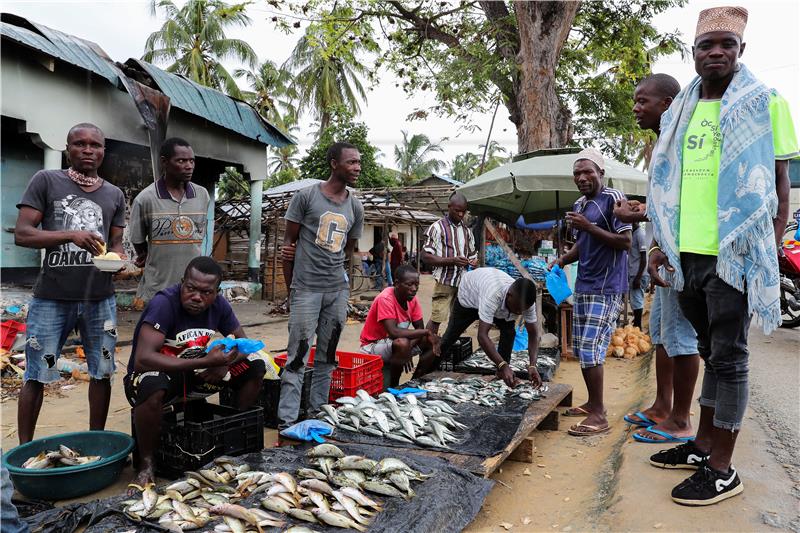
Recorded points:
(385, 306)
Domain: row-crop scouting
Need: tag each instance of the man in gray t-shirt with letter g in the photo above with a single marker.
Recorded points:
(323, 223)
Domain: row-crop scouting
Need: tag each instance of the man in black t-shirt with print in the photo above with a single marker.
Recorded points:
(71, 214)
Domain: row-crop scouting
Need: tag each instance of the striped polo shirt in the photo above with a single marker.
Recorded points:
(445, 239)
(485, 289)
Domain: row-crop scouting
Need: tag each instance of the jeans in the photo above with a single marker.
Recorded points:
(462, 317)
(50, 323)
(311, 313)
(636, 294)
(668, 326)
(9, 518)
(720, 316)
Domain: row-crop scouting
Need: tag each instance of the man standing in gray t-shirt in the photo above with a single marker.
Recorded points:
(323, 223)
(168, 221)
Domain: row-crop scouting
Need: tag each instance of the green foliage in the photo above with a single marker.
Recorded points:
(272, 92)
(282, 176)
(468, 51)
(327, 70)
(414, 158)
(192, 39)
(232, 185)
(467, 165)
(343, 128)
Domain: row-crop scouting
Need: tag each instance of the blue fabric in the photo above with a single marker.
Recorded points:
(669, 327)
(667, 437)
(50, 322)
(557, 285)
(594, 317)
(308, 430)
(521, 339)
(9, 518)
(747, 201)
(407, 390)
(602, 269)
(244, 346)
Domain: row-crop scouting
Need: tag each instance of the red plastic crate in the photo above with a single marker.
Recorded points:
(355, 371)
(8, 333)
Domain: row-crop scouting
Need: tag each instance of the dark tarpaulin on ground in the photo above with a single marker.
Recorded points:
(446, 502)
(489, 431)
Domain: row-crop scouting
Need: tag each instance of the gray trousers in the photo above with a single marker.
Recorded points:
(311, 313)
(720, 316)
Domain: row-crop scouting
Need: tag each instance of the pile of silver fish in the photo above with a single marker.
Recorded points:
(519, 362)
(409, 420)
(491, 393)
(59, 459)
(332, 493)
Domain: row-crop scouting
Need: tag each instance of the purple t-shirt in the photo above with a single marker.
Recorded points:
(184, 332)
(601, 269)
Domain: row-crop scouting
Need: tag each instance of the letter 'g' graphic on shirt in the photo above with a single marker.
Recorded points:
(332, 231)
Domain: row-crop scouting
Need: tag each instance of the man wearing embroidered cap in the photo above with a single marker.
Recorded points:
(718, 201)
(601, 244)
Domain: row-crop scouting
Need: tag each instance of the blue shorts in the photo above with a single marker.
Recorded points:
(594, 317)
(669, 327)
(636, 294)
(49, 324)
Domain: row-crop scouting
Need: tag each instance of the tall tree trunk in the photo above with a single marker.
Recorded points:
(542, 120)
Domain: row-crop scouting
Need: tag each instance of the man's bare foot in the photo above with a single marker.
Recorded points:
(670, 427)
(595, 420)
(144, 476)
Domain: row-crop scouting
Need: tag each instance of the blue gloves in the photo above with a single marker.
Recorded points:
(245, 346)
(308, 430)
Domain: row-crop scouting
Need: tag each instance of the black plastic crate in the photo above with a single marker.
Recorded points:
(460, 350)
(197, 432)
(270, 397)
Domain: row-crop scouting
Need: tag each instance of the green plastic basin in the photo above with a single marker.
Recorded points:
(70, 481)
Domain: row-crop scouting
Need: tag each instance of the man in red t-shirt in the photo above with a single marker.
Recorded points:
(395, 330)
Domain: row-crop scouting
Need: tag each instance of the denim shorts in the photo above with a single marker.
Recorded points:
(669, 327)
(49, 324)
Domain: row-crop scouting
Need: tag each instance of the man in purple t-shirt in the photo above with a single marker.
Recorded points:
(600, 247)
(169, 361)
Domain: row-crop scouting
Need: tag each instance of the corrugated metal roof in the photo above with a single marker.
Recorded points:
(292, 186)
(215, 107)
(68, 48)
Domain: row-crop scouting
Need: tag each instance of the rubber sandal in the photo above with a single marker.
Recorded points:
(643, 421)
(667, 437)
(586, 430)
(577, 411)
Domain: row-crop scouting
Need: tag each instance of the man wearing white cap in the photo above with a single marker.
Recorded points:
(718, 201)
(601, 244)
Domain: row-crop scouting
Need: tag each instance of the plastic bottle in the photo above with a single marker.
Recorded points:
(68, 365)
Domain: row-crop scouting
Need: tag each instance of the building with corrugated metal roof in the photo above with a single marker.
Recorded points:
(52, 81)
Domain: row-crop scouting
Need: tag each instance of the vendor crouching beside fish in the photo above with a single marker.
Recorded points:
(491, 296)
(394, 328)
(169, 362)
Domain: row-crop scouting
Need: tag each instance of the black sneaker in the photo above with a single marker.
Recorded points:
(685, 456)
(708, 486)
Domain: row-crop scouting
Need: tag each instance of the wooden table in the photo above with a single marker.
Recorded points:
(541, 414)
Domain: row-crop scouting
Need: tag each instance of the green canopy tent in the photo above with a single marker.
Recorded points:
(539, 186)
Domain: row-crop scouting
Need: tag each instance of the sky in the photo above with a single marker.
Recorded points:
(120, 27)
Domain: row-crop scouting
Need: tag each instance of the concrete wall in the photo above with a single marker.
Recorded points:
(51, 102)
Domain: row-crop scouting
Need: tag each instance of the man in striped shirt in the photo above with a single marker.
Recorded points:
(449, 248)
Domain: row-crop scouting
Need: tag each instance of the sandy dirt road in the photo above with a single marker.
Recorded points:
(575, 484)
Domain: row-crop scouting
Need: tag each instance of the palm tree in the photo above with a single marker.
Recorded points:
(413, 157)
(464, 166)
(285, 158)
(495, 156)
(272, 93)
(193, 40)
(325, 80)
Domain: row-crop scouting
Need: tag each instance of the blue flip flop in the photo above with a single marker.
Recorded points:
(643, 421)
(667, 437)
